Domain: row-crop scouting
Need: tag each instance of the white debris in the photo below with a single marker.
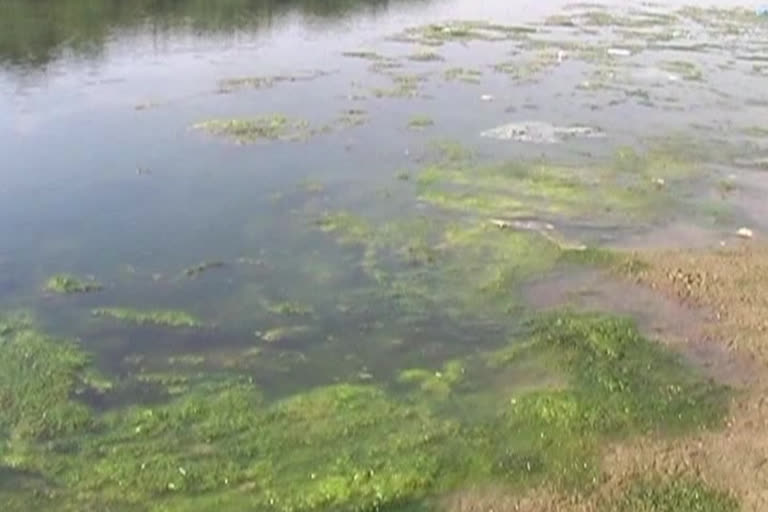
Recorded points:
(486, 97)
(745, 233)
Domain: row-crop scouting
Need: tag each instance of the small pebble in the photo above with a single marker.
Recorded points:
(745, 233)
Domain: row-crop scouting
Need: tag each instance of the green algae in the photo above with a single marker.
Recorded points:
(348, 228)
(426, 56)
(284, 333)
(289, 308)
(251, 130)
(687, 70)
(264, 82)
(420, 122)
(626, 186)
(220, 445)
(463, 31)
(403, 86)
(68, 283)
(680, 494)
(38, 375)
(439, 383)
(161, 317)
(363, 54)
(471, 76)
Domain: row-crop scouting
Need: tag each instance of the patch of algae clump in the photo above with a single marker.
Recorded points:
(631, 185)
(160, 317)
(222, 446)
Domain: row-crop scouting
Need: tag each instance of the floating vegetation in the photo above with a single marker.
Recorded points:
(463, 31)
(354, 447)
(68, 283)
(426, 56)
(540, 133)
(623, 187)
(348, 227)
(385, 66)
(248, 131)
(420, 122)
(352, 117)
(281, 334)
(364, 54)
(439, 383)
(528, 67)
(289, 308)
(263, 82)
(686, 70)
(161, 317)
(196, 270)
(404, 86)
(471, 76)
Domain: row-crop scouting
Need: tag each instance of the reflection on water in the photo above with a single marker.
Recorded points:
(34, 33)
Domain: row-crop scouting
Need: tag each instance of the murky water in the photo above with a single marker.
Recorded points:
(106, 173)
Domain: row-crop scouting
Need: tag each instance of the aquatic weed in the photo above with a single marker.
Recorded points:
(68, 283)
(160, 317)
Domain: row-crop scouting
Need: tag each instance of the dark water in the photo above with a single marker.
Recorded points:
(103, 176)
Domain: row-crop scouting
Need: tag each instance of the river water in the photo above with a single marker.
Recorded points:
(104, 174)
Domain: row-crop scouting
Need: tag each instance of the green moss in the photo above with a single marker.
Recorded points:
(166, 318)
(67, 283)
(420, 122)
(680, 494)
(247, 131)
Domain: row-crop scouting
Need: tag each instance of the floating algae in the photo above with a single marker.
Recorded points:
(538, 132)
(161, 317)
(251, 130)
(68, 283)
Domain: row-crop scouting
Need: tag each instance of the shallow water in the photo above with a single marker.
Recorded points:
(104, 173)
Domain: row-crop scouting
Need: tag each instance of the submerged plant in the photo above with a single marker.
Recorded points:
(196, 270)
(420, 122)
(678, 494)
(67, 283)
(161, 317)
(244, 131)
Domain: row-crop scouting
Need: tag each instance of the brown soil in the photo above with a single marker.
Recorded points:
(712, 306)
